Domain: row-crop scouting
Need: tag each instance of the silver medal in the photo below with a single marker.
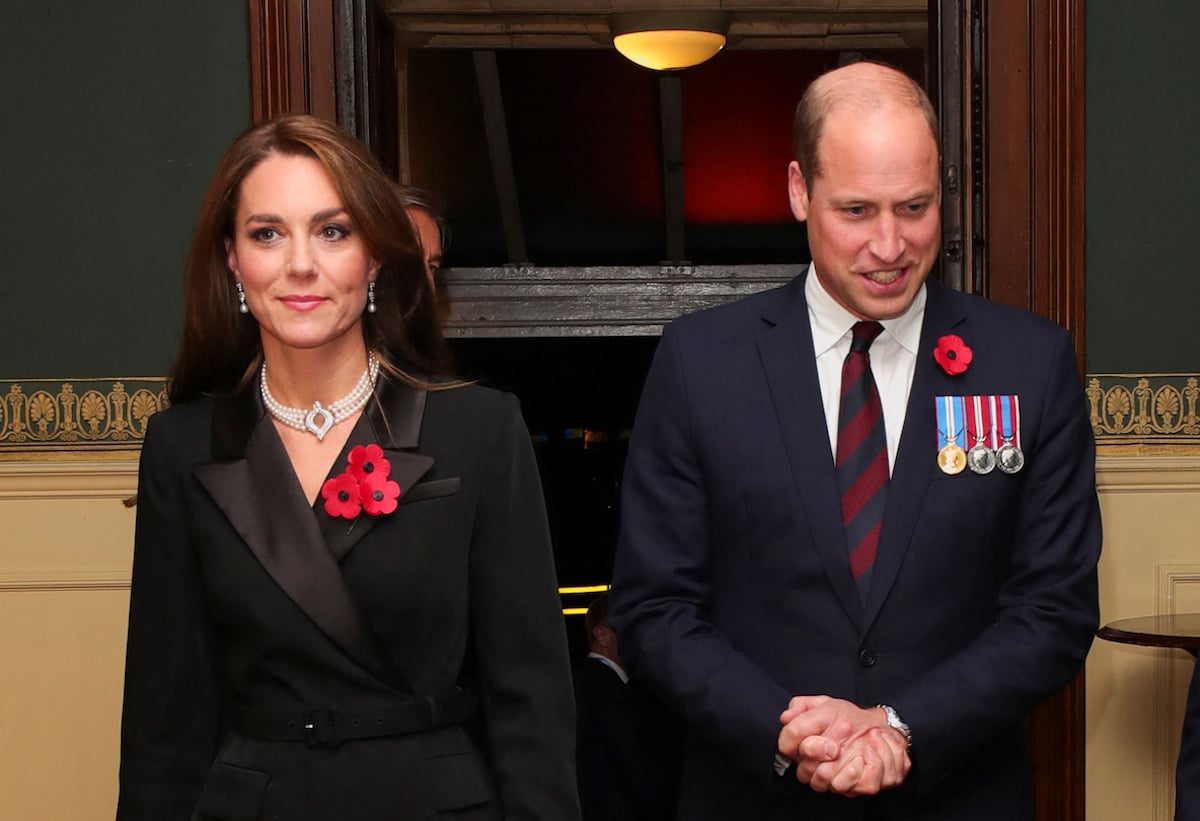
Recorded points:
(1009, 458)
(981, 459)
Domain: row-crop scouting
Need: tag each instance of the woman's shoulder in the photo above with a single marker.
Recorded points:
(186, 424)
(473, 415)
(185, 414)
(472, 397)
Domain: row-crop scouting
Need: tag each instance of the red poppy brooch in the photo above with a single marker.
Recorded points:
(363, 487)
(952, 354)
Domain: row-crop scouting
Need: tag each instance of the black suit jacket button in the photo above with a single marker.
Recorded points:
(867, 658)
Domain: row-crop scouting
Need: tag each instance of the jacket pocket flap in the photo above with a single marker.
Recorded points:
(232, 794)
(431, 490)
(457, 781)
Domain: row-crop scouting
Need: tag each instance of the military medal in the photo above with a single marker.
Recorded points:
(1009, 456)
(981, 458)
(952, 459)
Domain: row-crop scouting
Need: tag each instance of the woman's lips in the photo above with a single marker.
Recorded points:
(302, 303)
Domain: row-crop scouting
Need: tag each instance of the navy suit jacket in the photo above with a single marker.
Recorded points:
(732, 591)
(247, 601)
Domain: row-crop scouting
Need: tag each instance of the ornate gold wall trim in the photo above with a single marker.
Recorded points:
(77, 417)
(1145, 411)
(107, 417)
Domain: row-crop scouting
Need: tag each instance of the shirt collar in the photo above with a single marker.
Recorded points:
(831, 322)
(612, 665)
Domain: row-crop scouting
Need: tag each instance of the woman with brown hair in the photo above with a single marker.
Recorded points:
(343, 600)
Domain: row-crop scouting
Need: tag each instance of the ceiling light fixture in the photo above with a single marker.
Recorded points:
(668, 40)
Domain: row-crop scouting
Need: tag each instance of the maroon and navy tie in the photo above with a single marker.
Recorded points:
(862, 459)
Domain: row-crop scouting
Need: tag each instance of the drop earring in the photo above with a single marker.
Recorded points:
(370, 297)
(242, 306)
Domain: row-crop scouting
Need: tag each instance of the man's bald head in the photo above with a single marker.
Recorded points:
(863, 86)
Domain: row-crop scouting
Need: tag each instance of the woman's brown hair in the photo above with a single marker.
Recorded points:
(221, 348)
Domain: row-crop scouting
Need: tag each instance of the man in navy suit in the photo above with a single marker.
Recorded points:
(854, 616)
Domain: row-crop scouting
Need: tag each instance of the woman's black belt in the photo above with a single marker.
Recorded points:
(330, 726)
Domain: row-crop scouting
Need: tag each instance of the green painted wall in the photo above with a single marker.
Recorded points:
(112, 117)
(1143, 186)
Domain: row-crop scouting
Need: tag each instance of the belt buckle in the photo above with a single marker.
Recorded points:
(320, 729)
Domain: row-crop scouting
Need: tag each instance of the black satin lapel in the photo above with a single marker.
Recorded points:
(786, 349)
(395, 415)
(265, 503)
(392, 421)
(917, 453)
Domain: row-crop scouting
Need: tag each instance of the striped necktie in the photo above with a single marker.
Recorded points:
(862, 460)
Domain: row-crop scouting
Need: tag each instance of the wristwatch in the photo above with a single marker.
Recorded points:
(896, 723)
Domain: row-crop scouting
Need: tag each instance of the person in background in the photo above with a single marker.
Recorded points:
(344, 602)
(430, 226)
(626, 766)
(859, 517)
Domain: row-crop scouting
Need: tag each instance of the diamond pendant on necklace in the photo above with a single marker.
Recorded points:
(312, 426)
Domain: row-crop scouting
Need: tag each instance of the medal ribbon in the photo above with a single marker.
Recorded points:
(978, 421)
(950, 409)
(1010, 419)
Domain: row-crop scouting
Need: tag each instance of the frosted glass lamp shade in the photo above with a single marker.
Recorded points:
(666, 41)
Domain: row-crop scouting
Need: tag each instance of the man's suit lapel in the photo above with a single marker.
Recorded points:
(785, 346)
(251, 479)
(916, 454)
(393, 421)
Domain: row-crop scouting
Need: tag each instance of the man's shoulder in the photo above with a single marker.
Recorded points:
(1014, 350)
(990, 317)
(742, 314)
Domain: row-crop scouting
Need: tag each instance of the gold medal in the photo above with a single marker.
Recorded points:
(952, 459)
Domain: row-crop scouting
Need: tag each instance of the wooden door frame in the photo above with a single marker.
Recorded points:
(1030, 116)
(1033, 96)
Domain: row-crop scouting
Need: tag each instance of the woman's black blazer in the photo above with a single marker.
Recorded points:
(284, 664)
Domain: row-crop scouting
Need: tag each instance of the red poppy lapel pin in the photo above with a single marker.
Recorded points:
(953, 354)
(363, 487)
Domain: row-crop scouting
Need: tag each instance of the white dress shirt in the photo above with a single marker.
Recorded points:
(893, 358)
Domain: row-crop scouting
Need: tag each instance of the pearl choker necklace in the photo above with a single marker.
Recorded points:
(321, 418)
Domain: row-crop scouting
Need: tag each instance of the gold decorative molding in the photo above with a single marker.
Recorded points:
(70, 579)
(79, 416)
(1145, 410)
(107, 417)
(59, 480)
(1118, 472)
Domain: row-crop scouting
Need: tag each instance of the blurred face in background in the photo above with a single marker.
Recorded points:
(430, 237)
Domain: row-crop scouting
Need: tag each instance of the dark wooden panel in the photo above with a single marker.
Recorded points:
(1034, 101)
(1034, 251)
(292, 57)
